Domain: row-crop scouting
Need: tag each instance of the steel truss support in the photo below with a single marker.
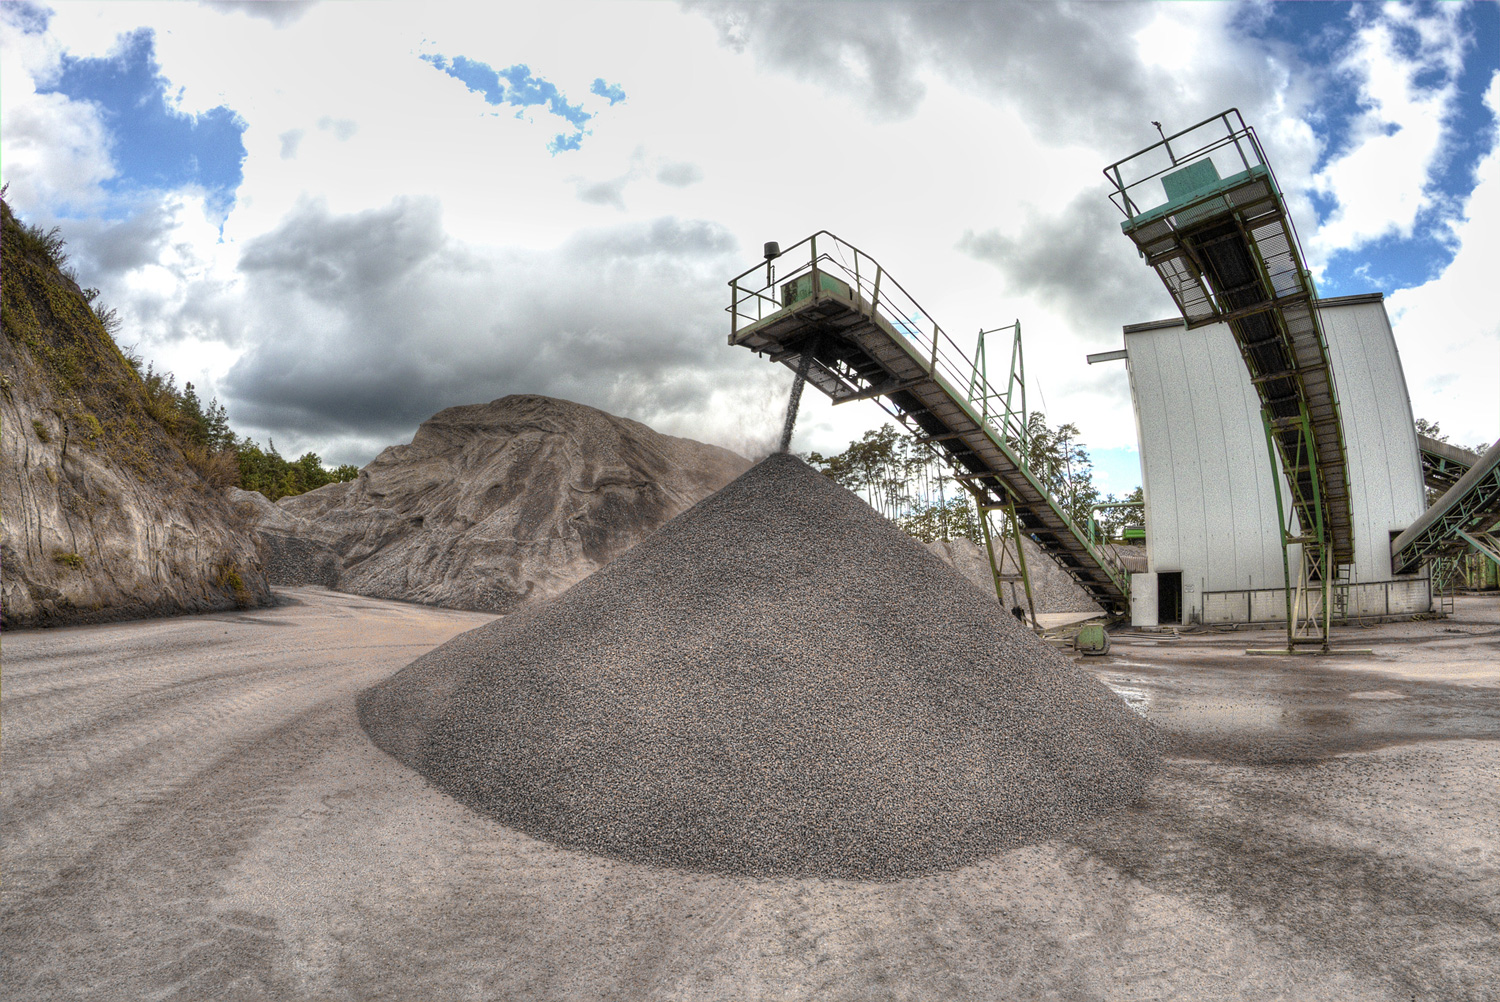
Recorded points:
(1305, 626)
(998, 564)
(1469, 510)
(1485, 544)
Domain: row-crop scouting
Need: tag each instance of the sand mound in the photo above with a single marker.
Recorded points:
(778, 681)
(492, 506)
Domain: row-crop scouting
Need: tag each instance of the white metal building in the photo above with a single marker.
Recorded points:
(1213, 549)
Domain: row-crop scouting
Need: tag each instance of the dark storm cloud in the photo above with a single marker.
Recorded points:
(346, 259)
(871, 52)
(1099, 284)
(279, 12)
(1071, 70)
(363, 325)
(103, 250)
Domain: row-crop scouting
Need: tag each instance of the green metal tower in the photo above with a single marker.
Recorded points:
(1204, 209)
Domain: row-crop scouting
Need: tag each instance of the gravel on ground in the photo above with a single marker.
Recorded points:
(189, 810)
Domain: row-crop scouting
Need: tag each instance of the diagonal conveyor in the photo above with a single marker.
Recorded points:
(1443, 465)
(1468, 509)
(868, 339)
(1226, 250)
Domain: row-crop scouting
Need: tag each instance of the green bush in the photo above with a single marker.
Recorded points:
(70, 334)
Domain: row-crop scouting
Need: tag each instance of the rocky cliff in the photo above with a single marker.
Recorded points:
(491, 505)
(104, 515)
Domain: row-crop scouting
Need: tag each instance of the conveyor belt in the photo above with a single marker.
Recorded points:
(1226, 250)
(1470, 508)
(1443, 465)
(867, 344)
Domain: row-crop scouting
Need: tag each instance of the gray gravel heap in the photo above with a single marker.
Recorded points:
(293, 560)
(778, 681)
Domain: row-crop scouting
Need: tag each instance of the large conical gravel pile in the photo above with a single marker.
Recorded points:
(778, 681)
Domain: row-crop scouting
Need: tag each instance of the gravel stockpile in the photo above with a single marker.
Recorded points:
(290, 547)
(778, 681)
(292, 560)
(1052, 589)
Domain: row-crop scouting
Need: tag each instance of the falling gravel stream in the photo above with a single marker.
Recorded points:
(795, 401)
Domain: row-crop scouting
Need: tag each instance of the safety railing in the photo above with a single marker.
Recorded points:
(1224, 139)
(758, 294)
(1094, 536)
(1358, 600)
(761, 293)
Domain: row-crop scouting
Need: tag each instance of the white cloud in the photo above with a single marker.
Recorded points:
(56, 149)
(1382, 180)
(1448, 329)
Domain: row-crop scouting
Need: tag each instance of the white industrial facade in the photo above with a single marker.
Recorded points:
(1212, 544)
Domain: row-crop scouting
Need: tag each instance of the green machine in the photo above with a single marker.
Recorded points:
(1092, 640)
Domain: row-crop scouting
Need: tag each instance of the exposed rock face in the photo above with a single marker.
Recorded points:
(104, 517)
(494, 504)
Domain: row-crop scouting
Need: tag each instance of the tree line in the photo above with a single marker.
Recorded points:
(908, 483)
(212, 447)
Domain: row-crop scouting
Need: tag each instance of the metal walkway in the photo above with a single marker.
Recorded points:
(1466, 515)
(1226, 249)
(1443, 465)
(868, 339)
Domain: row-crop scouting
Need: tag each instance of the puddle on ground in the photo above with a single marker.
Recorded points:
(1132, 690)
(1293, 713)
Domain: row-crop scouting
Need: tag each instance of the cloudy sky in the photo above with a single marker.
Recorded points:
(340, 218)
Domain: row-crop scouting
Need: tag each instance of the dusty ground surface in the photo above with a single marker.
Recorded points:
(190, 811)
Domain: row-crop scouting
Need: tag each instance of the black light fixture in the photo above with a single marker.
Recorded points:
(772, 252)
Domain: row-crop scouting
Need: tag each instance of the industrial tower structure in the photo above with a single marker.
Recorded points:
(1205, 210)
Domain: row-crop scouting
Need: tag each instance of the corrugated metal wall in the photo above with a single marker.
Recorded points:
(1206, 474)
(1385, 466)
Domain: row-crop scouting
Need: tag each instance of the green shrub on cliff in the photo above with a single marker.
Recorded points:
(69, 335)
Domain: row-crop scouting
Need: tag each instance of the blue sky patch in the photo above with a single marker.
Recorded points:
(613, 92)
(153, 146)
(1320, 34)
(29, 17)
(1116, 471)
(563, 141)
(518, 87)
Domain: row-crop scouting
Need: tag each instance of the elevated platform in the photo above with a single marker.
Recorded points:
(1225, 248)
(1465, 516)
(1443, 465)
(868, 339)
